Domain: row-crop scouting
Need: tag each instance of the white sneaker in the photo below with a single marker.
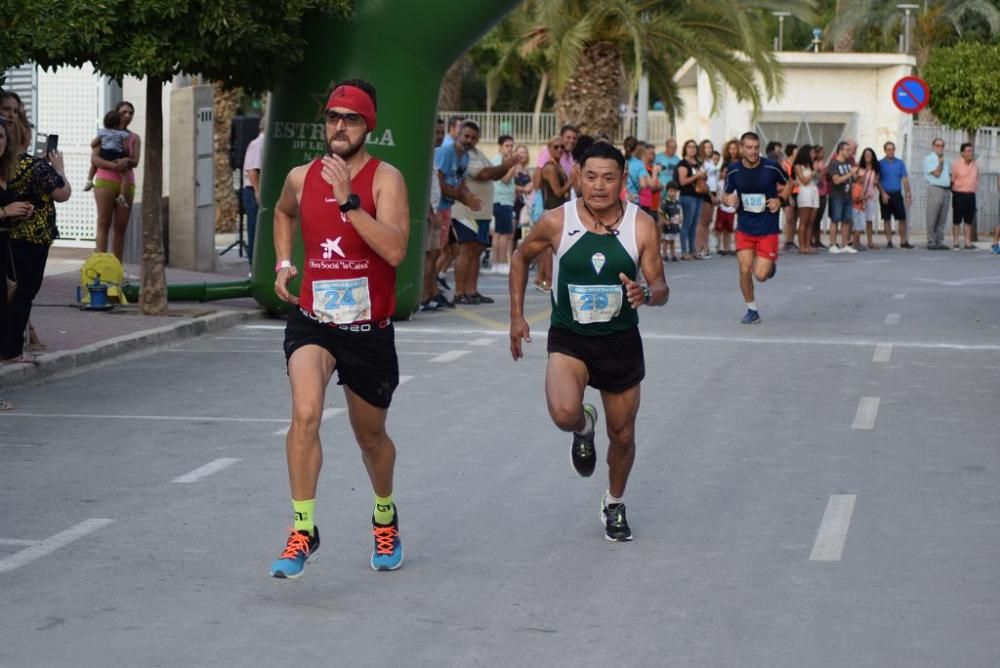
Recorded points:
(503, 269)
(849, 249)
(835, 249)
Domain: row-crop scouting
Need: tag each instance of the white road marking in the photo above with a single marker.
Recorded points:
(984, 280)
(417, 329)
(51, 544)
(899, 295)
(832, 534)
(328, 412)
(864, 418)
(482, 342)
(875, 261)
(228, 351)
(883, 352)
(206, 470)
(271, 339)
(181, 418)
(892, 319)
(451, 341)
(18, 445)
(405, 379)
(450, 356)
(245, 338)
(782, 341)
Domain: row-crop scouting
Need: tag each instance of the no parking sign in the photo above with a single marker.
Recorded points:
(911, 94)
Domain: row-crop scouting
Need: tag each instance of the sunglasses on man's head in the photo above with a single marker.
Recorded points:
(349, 118)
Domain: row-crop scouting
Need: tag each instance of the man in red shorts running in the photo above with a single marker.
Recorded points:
(355, 223)
(758, 188)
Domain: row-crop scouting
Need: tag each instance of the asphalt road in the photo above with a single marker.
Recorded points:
(819, 490)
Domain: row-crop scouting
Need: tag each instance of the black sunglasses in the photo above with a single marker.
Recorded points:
(349, 118)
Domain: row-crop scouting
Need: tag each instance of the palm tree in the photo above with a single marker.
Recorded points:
(937, 23)
(595, 52)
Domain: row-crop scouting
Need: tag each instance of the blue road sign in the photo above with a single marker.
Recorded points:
(911, 94)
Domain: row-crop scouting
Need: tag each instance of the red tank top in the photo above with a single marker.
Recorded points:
(344, 281)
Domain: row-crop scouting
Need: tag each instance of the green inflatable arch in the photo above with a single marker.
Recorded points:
(403, 47)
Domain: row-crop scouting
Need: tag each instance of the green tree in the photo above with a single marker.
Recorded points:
(240, 44)
(867, 25)
(594, 53)
(965, 89)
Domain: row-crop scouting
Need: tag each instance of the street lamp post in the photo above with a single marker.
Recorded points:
(780, 46)
(907, 8)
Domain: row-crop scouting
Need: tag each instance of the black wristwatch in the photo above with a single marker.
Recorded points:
(353, 202)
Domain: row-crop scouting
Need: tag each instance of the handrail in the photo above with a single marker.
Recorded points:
(528, 128)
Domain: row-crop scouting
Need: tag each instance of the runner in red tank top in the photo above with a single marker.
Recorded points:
(355, 223)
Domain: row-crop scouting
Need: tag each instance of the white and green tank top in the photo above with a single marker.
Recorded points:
(587, 296)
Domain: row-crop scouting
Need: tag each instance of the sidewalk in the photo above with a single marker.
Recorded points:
(76, 338)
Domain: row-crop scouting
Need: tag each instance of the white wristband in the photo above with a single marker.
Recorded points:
(283, 264)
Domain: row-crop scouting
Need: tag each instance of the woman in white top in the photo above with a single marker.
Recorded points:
(808, 199)
(709, 197)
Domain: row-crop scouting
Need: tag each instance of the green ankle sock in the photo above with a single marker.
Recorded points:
(384, 509)
(304, 511)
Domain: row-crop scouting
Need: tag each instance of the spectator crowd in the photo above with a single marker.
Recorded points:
(846, 202)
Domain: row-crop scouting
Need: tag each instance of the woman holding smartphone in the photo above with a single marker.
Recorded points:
(11, 211)
(38, 183)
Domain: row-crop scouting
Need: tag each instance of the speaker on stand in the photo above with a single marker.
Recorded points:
(244, 129)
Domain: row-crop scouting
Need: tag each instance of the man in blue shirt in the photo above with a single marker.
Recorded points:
(451, 161)
(758, 188)
(668, 161)
(893, 181)
(937, 172)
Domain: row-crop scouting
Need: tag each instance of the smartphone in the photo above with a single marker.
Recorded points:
(51, 144)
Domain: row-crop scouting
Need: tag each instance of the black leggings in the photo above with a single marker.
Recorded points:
(28, 268)
(4, 273)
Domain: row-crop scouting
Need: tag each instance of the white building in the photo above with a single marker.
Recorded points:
(826, 97)
(71, 102)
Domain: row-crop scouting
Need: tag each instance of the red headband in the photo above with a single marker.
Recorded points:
(356, 100)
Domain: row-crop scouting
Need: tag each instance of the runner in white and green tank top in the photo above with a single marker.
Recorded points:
(600, 243)
(588, 297)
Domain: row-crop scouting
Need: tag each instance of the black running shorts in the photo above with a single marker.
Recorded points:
(366, 360)
(615, 362)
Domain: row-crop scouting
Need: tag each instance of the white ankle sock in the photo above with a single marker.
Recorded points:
(752, 306)
(609, 500)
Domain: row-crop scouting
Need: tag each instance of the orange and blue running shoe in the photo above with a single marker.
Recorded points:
(388, 552)
(301, 545)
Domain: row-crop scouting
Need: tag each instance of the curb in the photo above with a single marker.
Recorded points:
(58, 362)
